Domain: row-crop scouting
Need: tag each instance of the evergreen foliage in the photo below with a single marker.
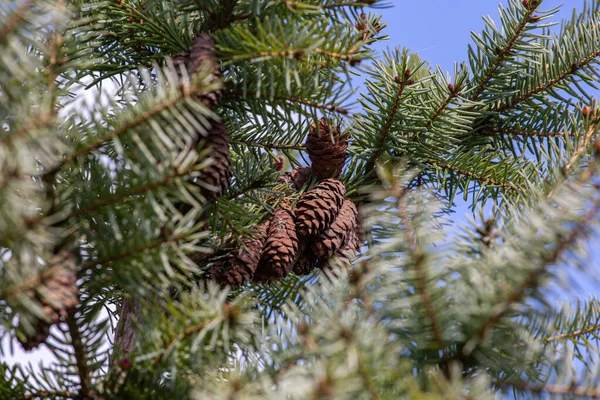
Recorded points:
(105, 203)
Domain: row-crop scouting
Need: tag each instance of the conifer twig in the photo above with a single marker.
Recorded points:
(387, 126)
(298, 100)
(573, 390)
(421, 274)
(535, 274)
(127, 126)
(484, 179)
(81, 358)
(13, 21)
(504, 53)
(572, 335)
(574, 68)
(267, 145)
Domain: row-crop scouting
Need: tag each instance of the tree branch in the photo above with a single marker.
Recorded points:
(272, 146)
(388, 124)
(578, 391)
(15, 18)
(306, 102)
(421, 275)
(536, 274)
(576, 66)
(504, 53)
(137, 121)
(81, 358)
(484, 179)
(572, 335)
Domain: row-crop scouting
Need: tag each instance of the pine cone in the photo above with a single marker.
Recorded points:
(326, 148)
(305, 263)
(338, 234)
(201, 55)
(317, 208)
(214, 179)
(299, 176)
(58, 296)
(281, 247)
(242, 261)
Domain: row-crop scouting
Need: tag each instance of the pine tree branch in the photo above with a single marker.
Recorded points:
(579, 391)
(355, 3)
(516, 132)
(187, 333)
(272, 146)
(575, 67)
(388, 124)
(148, 187)
(43, 119)
(441, 108)
(504, 52)
(421, 275)
(583, 145)
(15, 19)
(572, 335)
(81, 357)
(581, 149)
(138, 250)
(32, 282)
(127, 126)
(297, 100)
(535, 275)
(45, 394)
(483, 179)
(366, 377)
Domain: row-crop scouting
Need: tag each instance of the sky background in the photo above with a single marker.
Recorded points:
(439, 31)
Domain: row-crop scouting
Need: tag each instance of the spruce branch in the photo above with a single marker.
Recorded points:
(563, 390)
(145, 116)
(15, 19)
(522, 133)
(81, 357)
(164, 239)
(187, 332)
(572, 335)
(574, 68)
(42, 120)
(390, 116)
(584, 144)
(421, 274)
(483, 179)
(163, 182)
(506, 51)
(533, 278)
(296, 100)
(271, 146)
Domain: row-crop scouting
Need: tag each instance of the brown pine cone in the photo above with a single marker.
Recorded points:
(281, 247)
(214, 179)
(305, 262)
(317, 208)
(338, 234)
(299, 176)
(326, 147)
(57, 296)
(243, 261)
(201, 56)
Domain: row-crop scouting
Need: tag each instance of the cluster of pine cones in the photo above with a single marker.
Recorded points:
(296, 238)
(299, 238)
